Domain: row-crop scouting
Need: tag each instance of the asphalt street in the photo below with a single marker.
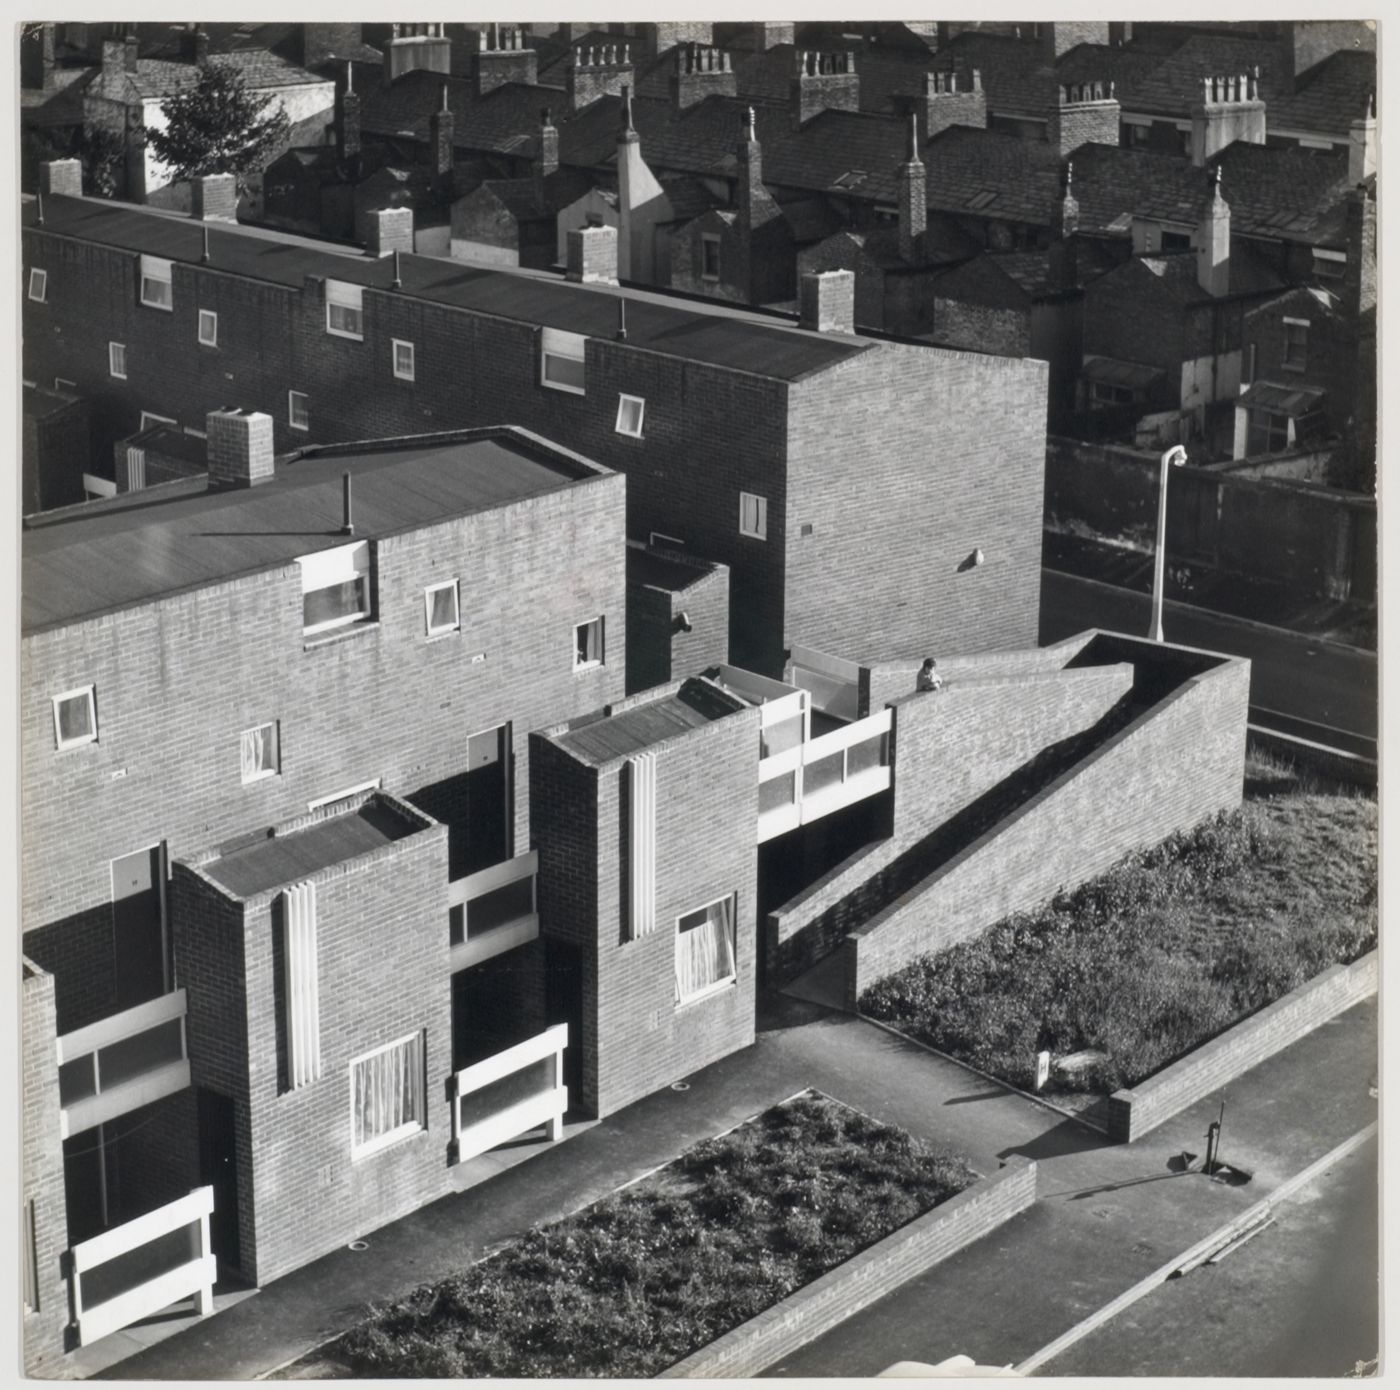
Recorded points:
(1293, 674)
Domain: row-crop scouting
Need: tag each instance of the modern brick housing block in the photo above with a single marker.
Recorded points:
(775, 451)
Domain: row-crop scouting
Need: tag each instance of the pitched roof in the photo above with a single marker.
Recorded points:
(504, 121)
(157, 77)
(1126, 68)
(1174, 86)
(1333, 95)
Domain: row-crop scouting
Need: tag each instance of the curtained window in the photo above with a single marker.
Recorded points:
(386, 1095)
(257, 750)
(705, 950)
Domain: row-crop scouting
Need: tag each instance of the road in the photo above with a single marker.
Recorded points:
(1293, 674)
(1308, 1283)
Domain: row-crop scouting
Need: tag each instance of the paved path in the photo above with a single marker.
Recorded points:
(801, 1045)
(1292, 674)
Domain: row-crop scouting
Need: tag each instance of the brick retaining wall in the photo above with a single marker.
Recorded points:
(866, 1277)
(1133, 1113)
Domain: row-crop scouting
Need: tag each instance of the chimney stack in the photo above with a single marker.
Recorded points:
(1230, 110)
(824, 82)
(1211, 241)
(201, 49)
(131, 53)
(347, 123)
(500, 56)
(239, 445)
(1361, 155)
(601, 70)
(701, 72)
(949, 99)
(214, 198)
(389, 230)
(591, 255)
(1359, 285)
(62, 176)
(440, 137)
(1084, 113)
(827, 301)
(913, 199)
(410, 52)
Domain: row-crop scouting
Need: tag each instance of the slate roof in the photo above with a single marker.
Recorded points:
(61, 105)
(696, 704)
(504, 121)
(521, 196)
(1015, 76)
(1126, 68)
(157, 77)
(1174, 86)
(1175, 274)
(1333, 95)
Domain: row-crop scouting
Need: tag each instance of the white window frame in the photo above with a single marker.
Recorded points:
(411, 373)
(292, 422)
(116, 357)
(756, 527)
(707, 240)
(345, 794)
(350, 299)
(409, 1127)
(1286, 361)
(82, 692)
(455, 625)
(210, 339)
(155, 271)
(149, 420)
(332, 568)
(623, 401)
(554, 342)
(601, 658)
(263, 773)
(38, 279)
(729, 981)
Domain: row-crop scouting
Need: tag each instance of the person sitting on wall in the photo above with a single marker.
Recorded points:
(929, 679)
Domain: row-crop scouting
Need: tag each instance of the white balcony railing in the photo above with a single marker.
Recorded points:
(137, 1269)
(821, 775)
(121, 1062)
(498, 910)
(514, 1091)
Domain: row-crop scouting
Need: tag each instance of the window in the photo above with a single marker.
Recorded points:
(344, 310)
(1330, 265)
(705, 950)
(208, 328)
(386, 1096)
(298, 413)
(1138, 135)
(75, 717)
(1105, 393)
(440, 608)
(302, 1002)
(149, 420)
(1295, 344)
(753, 516)
(403, 360)
(629, 415)
(1268, 433)
(709, 249)
(561, 360)
(1251, 354)
(588, 644)
(31, 1261)
(116, 360)
(335, 588)
(1176, 241)
(258, 752)
(156, 292)
(38, 285)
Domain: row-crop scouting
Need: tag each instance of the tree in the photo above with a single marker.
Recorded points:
(218, 127)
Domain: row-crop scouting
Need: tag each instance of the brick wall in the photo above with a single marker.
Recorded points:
(1330, 364)
(1175, 765)
(980, 328)
(658, 651)
(383, 973)
(42, 1172)
(177, 682)
(903, 461)
(55, 452)
(878, 1270)
(840, 252)
(1135, 1112)
(687, 266)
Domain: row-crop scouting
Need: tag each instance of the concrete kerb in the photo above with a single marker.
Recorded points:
(1221, 1236)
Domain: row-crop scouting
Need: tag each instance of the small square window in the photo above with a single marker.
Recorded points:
(116, 360)
(157, 291)
(630, 410)
(709, 244)
(403, 360)
(753, 516)
(298, 413)
(75, 717)
(588, 644)
(38, 285)
(259, 753)
(208, 328)
(440, 608)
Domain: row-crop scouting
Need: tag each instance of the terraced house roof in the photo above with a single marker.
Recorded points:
(1173, 87)
(1332, 95)
(504, 121)
(156, 77)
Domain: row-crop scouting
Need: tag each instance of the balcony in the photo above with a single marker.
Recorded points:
(119, 1063)
(502, 1097)
(493, 910)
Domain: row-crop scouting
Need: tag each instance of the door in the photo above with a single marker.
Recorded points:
(218, 1168)
(563, 1003)
(138, 926)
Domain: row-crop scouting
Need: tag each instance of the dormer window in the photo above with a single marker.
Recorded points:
(345, 310)
(156, 290)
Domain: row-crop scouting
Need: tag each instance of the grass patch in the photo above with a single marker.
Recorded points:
(1167, 949)
(633, 1283)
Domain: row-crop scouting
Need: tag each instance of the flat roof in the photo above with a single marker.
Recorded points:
(101, 557)
(282, 859)
(661, 569)
(633, 730)
(717, 336)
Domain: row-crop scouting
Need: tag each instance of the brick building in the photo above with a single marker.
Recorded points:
(744, 437)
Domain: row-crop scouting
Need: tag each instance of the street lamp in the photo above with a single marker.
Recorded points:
(1175, 455)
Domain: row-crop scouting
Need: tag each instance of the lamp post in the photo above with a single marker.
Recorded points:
(1175, 455)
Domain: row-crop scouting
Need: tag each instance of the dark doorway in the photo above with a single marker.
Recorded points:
(138, 926)
(218, 1168)
(474, 805)
(84, 1185)
(564, 1004)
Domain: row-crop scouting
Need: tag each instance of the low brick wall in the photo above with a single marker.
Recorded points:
(861, 1280)
(1133, 1113)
